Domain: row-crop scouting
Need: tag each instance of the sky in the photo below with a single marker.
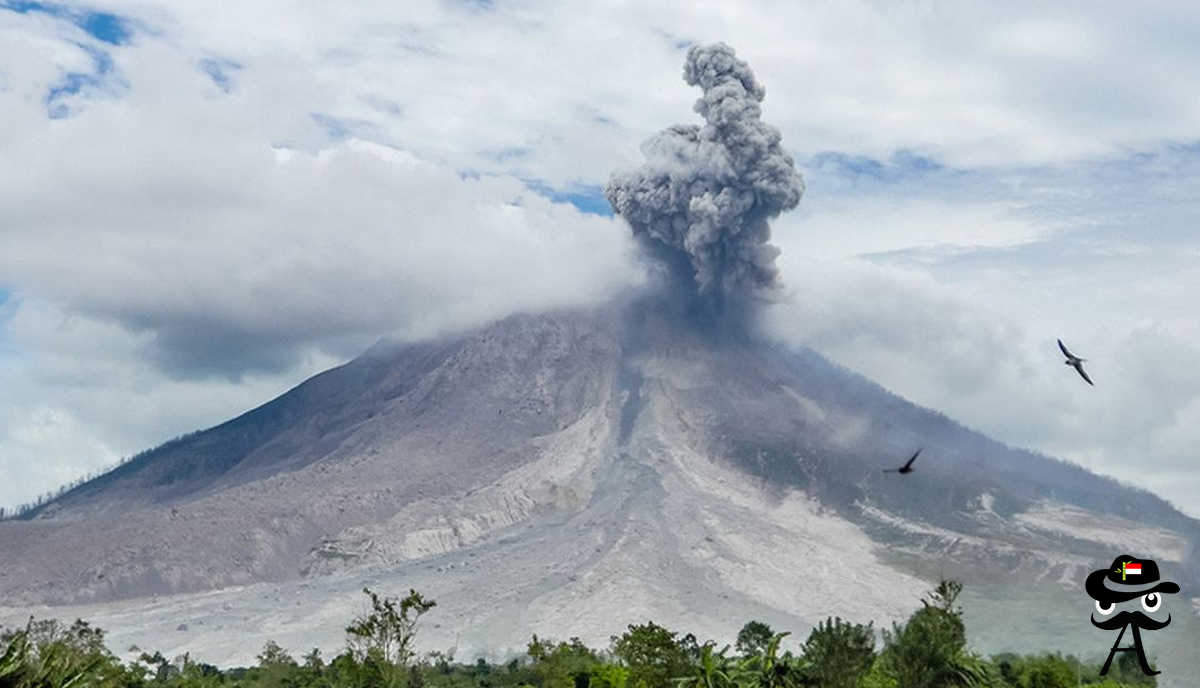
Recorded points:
(202, 205)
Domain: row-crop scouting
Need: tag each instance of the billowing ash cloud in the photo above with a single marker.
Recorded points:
(705, 195)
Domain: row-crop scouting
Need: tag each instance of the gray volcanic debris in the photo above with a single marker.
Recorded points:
(703, 198)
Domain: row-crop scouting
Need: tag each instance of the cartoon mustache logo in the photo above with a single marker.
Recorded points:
(1127, 579)
(1137, 619)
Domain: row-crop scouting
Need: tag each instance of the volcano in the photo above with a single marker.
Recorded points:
(569, 473)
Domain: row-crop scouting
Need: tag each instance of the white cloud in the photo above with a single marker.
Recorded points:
(902, 329)
(1000, 372)
(880, 224)
(79, 396)
(172, 265)
(329, 191)
(222, 247)
(566, 91)
(970, 328)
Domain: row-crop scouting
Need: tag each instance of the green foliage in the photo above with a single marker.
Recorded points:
(274, 656)
(928, 651)
(15, 657)
(386, 634)
(608, 676)
(48, 653)
(562, 665)
(713, 670)
(276, 668)
(768, 669)
(878, 677)
(838, 654)
(190, 674)
(753, 638)
(156, 666)
(653, 655)
(1039, 671)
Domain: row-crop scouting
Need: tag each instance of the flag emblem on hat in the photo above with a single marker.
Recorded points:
(1128, 568)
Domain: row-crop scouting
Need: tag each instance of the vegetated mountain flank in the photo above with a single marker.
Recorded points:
(563, 471)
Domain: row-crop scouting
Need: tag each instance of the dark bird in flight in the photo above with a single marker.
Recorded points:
(906, 468)
(1075, 362)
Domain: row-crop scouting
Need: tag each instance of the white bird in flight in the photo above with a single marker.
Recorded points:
(1075, 362)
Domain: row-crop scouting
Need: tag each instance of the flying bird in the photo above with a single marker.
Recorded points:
(906, 468)
(1075, 362)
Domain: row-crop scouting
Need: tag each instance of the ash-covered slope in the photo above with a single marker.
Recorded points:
(572, 472)
(251, 499)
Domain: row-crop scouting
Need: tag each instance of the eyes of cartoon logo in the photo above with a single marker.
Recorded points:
(1150, 603)
(1129, 578)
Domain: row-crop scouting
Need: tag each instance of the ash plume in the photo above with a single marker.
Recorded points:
(702, 201)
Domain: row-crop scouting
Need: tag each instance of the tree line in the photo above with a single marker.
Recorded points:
(29, 508)
(928, 650)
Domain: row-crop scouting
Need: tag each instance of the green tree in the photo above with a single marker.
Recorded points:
(381, 641)
(1039, 671)
(879, 677)
(608, 676)
(312, 669)
(562, 665)
(838, 654)
(753, 638)
(189, 674)
(349, 671)
(391, 626)
(652, 654)
(157, 666)
(929, 651)
(276, 668)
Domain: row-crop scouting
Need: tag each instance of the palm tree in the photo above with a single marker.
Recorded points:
(26, 664)
(714, 670)
(767, 670)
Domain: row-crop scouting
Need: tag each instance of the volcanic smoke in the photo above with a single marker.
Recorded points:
(702, 201)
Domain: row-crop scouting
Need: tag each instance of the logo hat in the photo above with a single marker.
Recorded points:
(1128, 578)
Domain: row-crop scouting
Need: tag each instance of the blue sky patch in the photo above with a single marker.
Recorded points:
(103, 26)
(221, 72)
(677, 43)
(903, 165)
(587, 199)
(340, 128)
(5, 314)
(509, 154)
(386, 106)
(106, 27)
(75, 82)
